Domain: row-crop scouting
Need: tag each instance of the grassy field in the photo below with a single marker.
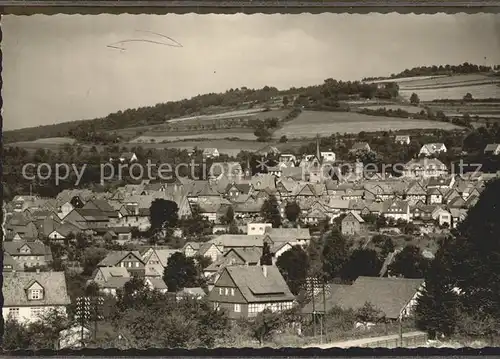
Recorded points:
(310, 123)
(53, 143)
(231, 148)
(405, 79)
(451, 87)
(243, 134)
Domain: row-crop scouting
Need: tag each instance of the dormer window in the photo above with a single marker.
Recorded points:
(35, 294)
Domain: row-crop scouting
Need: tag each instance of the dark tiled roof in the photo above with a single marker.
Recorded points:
(256, 287)
(15, 285)
(115, 257)
(390, 295)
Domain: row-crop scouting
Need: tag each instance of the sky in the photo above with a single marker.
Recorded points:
(58, 68)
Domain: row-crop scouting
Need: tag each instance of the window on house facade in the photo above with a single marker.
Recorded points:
(232, 292)
(137, 264)
(36, 294)
(227, 291)
(14, 312)
(237, 308)
(36, 312)
(221, 291)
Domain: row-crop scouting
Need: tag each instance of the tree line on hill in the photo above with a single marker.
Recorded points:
(465, 68)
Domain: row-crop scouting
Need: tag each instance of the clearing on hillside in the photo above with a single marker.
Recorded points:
(311, 123)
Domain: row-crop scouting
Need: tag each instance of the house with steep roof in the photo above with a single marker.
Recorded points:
(424, 168)
(234, 256)
(156, 260)
(21, 231)
(234, 190)
(422, 212)
(442, 216)
(457, 202)
(245, 291)
(430, 149)
(416, 192)
(190, 249)
(93, 219)
(110, 279)
(28, 254)
(441, 182)
(352, 224)
(293, 235)
(63, 230)
(104, 207)
(29, 295)
(360, 146)
(434, 196)
(396, 298)
(156, 283)
(130, 260)
(396, 209)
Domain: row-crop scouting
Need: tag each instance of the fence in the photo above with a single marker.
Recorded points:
(412, 339)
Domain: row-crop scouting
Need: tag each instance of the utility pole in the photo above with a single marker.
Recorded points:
(312, 281)
(88, 309)
(82, 315)
(97, 305)
(401, 330)
(324, 306)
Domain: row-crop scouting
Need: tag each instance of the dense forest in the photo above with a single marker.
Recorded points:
(464, 68)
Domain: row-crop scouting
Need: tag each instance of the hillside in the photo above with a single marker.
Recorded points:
(238, 113)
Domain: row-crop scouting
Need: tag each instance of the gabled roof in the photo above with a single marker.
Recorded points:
(415, 189)
(398, 206)
(359, 146)
(238, 240)
(255, 287)
(247, 255)
(157, 283)
(354, 215)
(390, 295)
(37, 248)
(115, 257)
(92, 214)
(53, 283)
(290, 234)
(307, 190)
